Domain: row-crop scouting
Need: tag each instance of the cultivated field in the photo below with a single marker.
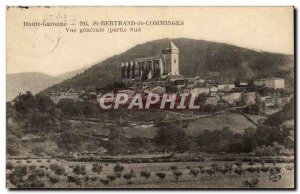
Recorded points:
(207, 174)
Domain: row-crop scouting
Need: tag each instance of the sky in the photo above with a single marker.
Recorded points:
(53, 50)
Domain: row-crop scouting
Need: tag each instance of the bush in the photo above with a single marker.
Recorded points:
(94, 178)
(173, 167)
(161, 175)
(39, 173)
(20, 171)
(195, 172)
(111, 177)
(238, 171)
(118, 168)
(54, 179)
(38, 151)
(79, 169)
(177, 174)
(272, 150)
(104, 181)
(252, 183)
(145, 174)
(97, 168)
(118, 174)
(57, 169)
(210, 172)
(9, 166)
(128, 176)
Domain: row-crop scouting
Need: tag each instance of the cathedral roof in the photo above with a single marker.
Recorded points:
(173, 46)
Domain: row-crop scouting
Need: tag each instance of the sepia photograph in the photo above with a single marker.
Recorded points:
(159, 97)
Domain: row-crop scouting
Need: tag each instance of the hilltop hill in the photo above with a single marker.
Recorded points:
(33, 81)
(197, 57)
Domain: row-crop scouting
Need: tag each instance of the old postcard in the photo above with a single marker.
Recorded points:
(150, 97)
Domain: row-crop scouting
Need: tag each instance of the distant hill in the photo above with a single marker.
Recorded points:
(34, 82)
(197, 57)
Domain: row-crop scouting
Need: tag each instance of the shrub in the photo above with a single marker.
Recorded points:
(129, 182)
(239, 164)
(210, 172)
(57, 169)
(118, 174)
(20, 171)
(39, 161)
(75, 179)
(289, 167)
(118, 168)
(32, 167)
(252, 183)
(38, 172)
(79, 169)
(54, 179)
(195, 172)
(251, 170)
(9, 166)
(173, 167)
(224, 170)
(94, 178)
(161, 175)
(238, 171)
(145, 174)
(251, 163)
(97, 168)
(264, 169)
(104, 181)
(188, 167)
(28, 161)
(128, 176)
(177, 174)
(111, 177)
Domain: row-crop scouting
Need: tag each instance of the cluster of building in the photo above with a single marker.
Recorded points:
(160, 74)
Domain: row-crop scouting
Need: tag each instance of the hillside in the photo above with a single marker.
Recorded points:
(197, 57)
(33, 81)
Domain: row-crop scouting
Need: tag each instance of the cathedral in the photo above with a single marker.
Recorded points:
(141, 69)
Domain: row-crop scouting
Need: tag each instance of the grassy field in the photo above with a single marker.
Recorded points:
(186, 180)
(235, 121)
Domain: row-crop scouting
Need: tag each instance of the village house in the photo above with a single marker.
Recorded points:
(198, 91)
(249, 98)
(232, 98)
(56, 97)
(212, 99)
(225, 86)
(275, 83)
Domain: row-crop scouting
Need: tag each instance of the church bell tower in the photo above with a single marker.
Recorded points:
(171, 59)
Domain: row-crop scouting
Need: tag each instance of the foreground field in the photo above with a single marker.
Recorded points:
(206, 174)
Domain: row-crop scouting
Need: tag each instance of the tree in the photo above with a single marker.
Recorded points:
(172, 138)
(97, 168)
(68, 141)
(249, 139)
(145, 174)
(68, 106)
(44, 104)
(24, 103)
(117, 141)
(79, 169)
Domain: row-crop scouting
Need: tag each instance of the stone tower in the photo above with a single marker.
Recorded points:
(171, 59)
